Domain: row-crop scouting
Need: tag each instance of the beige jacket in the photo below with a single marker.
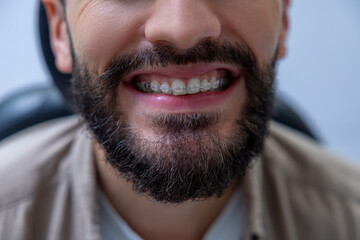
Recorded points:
(297, 191)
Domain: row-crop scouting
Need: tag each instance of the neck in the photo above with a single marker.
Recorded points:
(155, 220)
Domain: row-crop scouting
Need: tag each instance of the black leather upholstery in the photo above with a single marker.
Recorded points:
(285, 114)
(29, 107)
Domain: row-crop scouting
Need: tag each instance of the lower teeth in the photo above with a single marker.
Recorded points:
(165, 88)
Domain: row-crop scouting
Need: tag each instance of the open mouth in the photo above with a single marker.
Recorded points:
(215, 80)
(190, 88)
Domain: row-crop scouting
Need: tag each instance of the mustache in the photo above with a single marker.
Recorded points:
(162, 55)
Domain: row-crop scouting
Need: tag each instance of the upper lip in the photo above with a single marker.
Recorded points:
(185, 71)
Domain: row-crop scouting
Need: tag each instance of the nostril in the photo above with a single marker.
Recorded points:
(182, 26)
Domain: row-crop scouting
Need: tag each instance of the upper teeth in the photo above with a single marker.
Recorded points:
(178, 87)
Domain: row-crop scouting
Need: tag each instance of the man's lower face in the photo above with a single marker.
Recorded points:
(178, 155)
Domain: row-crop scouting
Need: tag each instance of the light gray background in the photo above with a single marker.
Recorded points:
(320, 75)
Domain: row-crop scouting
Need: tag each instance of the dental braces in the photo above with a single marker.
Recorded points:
(146, 87)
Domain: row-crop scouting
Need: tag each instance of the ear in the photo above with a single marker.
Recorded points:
(282, 48)
(60, 41)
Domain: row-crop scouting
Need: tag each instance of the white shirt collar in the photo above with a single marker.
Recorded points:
(227, 226)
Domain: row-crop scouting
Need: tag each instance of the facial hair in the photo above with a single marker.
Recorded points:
(188, 158)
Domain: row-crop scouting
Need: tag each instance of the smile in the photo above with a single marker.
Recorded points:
(190, 88)
(216, 80)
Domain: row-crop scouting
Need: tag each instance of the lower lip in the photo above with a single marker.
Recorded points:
(191, 102)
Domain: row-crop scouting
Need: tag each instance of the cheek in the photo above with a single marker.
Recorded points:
(257, 24)
(102, 32)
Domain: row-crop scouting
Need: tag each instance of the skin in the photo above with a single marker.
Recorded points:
(102, 29)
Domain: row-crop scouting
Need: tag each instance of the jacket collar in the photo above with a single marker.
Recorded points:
(83, 176)
(253, 195)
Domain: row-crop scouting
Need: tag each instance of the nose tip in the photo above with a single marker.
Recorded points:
(182, 24)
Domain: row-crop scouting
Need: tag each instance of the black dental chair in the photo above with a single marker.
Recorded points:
(41, 103)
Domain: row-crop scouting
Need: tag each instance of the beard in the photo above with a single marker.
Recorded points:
(188, 158)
